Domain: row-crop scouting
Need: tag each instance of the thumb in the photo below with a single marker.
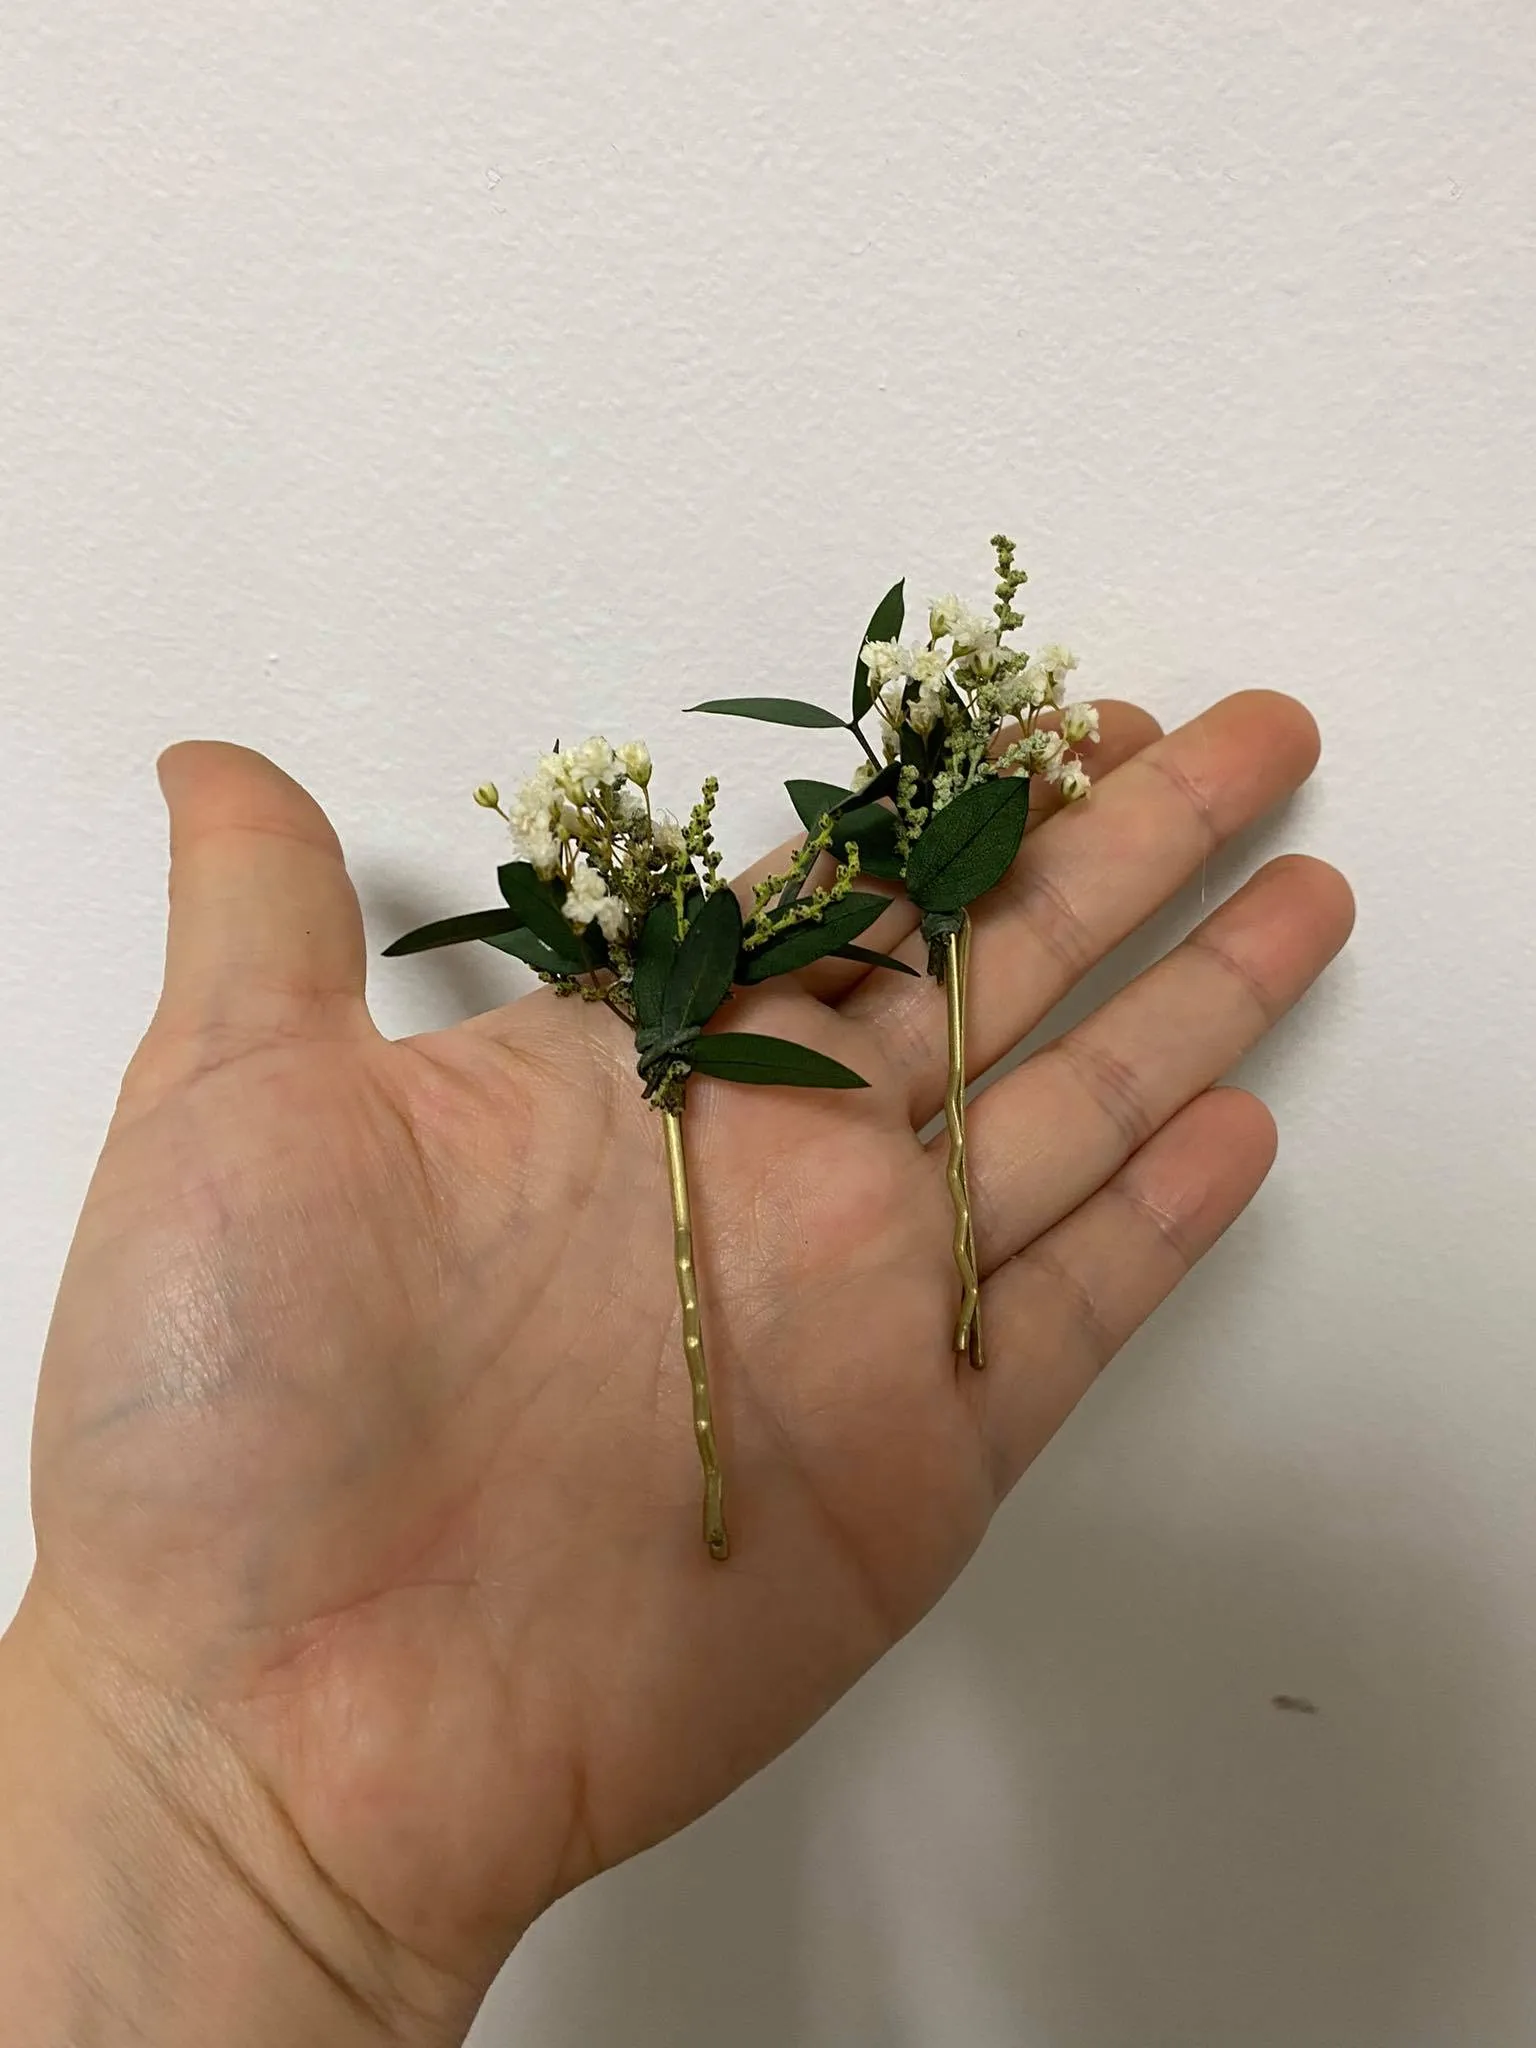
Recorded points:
(265, 936)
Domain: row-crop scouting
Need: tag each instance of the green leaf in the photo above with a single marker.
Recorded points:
(870, 958)
(453, 931)
(813, 800)
(966, 848)
(537, 903)
(595, 946)
(769, 1062)
(774, 710)
(882, 784)
(653, 961)
(701, 974)
(884, 624)
(870, 824)
(838, 925)
(914, 750)
(873, 831)
(522, 945)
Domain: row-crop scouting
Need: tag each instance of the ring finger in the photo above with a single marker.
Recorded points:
(1046, 1136)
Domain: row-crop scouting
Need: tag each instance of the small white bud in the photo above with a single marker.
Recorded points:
(1054, 664)
(890, 701)
(1080, 722)
(943, 614)
(1046, 750)
(488, 797)
(635, 760)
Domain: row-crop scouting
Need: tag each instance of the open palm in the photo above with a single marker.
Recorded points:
(364, 1424)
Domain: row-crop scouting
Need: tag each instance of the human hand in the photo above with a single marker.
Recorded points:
(366, 1503)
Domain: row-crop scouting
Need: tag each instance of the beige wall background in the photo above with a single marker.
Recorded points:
(390, 386)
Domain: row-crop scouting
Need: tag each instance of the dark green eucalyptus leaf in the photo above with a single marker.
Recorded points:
(914, 750)
(873, 831)
(820, 799)
(881, 784)
(594, 945)
(537, 902)
(870, 824)
(885, 624)
(769, 1062)
(653, 962)
(813, 800)
(839, 923)
(654, 1045)
(773, 710)
(965, 849)
(522, 945)
(701, 974)
(453, 931)
(870, 958)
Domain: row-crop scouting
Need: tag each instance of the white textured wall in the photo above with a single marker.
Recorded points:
(388, 385)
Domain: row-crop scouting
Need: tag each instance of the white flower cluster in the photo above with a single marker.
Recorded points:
(589, 898)
(582, 814)
(970, 631)
(892, 665)
(1045, 751)
(975, 681)
(1038, 686)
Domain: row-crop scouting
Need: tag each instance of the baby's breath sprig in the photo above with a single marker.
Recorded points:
(965, 721)
(612, 903)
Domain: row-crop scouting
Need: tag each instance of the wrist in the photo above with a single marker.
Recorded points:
(150, 1888)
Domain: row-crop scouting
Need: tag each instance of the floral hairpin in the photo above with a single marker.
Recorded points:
(960, 721)
(618, 905)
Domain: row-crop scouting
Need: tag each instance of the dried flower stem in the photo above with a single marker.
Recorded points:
(693, 1337)
(957, 961)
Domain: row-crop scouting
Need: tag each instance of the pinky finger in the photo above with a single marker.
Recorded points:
(1059, 1311)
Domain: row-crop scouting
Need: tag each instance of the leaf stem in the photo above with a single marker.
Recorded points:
(858, 732)
(693, 1337)
(957, 961)
(618, 1004)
